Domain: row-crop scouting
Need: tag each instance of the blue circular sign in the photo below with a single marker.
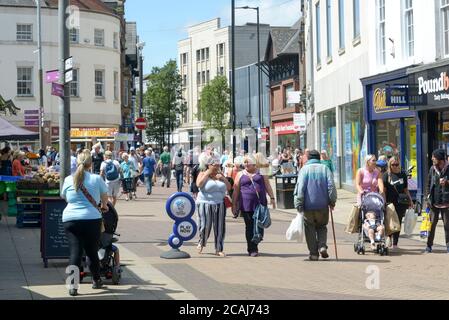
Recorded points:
(185, 230)
(174, 241)
(180, 206)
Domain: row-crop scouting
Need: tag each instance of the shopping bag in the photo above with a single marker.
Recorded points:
(409, 221)
(296, 229)
(392, 224)
(426, 224)
(354, 222)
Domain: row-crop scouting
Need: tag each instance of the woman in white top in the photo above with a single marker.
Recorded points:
(210, 202)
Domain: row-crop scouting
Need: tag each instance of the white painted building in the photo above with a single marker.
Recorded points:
(205, 54)
(95, 47)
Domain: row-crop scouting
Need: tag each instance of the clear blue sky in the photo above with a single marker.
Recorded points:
(161, 24)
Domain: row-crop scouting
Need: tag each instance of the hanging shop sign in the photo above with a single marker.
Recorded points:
(380, 101)
(283, 128)
(397, 96)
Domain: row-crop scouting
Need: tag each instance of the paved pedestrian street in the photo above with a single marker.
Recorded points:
(282, 270)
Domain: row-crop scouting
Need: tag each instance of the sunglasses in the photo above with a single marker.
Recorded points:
(395, 165)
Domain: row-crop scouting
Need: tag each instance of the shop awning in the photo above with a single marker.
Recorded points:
(9, 132)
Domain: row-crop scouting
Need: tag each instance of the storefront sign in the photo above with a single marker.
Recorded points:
(380, 102)
(299, 121)
(124, 137)
(57, 90)
(430, 88)
(293, 97)
(397, 96)
(93, 132)
(283, 128)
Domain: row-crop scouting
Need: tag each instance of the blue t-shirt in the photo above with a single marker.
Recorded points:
(148, 165)
(127, 169)
(78, 206)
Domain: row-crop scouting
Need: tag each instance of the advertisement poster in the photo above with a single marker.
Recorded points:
(348, 153)
(355, 148)
(333, 150)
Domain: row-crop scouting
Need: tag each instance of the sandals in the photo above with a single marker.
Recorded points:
(220, 254)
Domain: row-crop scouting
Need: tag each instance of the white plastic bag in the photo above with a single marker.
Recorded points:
(409, 221)
(296, 229)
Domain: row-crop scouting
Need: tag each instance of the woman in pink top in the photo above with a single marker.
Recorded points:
(368, 179)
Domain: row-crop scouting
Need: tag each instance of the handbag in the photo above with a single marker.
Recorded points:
(92, 201)
(228, 202)
(354, 222)
(261, 210)
(402, 197)
(392, 224)
(296, 229)
(410, 221)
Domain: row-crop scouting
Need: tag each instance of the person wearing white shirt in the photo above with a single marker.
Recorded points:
(111, 176)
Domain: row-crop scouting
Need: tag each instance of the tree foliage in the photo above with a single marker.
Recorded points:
(163, 102)
(215, 104)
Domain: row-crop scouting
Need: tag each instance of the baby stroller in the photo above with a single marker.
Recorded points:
(107, 252)
(371, 202)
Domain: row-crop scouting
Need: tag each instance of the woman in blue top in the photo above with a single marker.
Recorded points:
(82, 221)
(210, 202)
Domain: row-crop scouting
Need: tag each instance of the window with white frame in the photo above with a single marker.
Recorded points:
(125, 92)
(184, 58)
(198, 55)
(184, 80)
(381, 51)
(99, 83)
(220, 49)
(115, 85)
(409, 28)
(24, 32)
(198, 78)
(445, 19)
(74, 35)
(207, 76)
(329, 27)
(24, 81)
(207, 53)
(341, 24)
(99, 37)
(356, 18)
(203, 77)
(318, 33)
(74, 84)
(115, 40)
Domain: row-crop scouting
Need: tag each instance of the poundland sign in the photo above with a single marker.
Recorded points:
(437, 86)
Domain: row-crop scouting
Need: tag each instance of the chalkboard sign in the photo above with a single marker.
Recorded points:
(54, 243)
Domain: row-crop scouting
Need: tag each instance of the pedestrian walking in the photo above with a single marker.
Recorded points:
(250, 190)
(179, 160)
(165, 165)
(81, 219)
(135, 159)
(128, 171)
(368, 179)
(315, 194)
(210, 203)
(149, 166)
(396, 186)
(326, 161)
(110, 171)
(97, 158)
(438, 196)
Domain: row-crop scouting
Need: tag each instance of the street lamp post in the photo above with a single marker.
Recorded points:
(140, 46)
(41, 91)
(233, 77)
(259, 77)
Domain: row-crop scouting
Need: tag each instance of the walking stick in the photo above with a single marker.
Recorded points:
(333, 231)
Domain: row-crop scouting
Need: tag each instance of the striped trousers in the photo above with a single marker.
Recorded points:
(211, 215)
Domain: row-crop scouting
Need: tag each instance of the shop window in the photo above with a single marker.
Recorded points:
(410, 152)
(353, 136)
(388, 135)
(328, 130)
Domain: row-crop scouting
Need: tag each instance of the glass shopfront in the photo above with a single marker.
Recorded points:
(388, 138)
(353, 136)
(328, 130)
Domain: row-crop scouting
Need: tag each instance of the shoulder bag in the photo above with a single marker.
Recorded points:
(94, 204)
(263, 211)
(402, 197)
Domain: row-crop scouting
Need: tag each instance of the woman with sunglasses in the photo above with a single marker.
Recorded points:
(397, 193)
(368, 179)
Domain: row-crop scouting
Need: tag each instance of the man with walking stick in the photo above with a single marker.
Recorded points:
(315, 195)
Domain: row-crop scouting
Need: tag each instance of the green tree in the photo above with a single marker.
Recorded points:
(215, 105)
(163, 102)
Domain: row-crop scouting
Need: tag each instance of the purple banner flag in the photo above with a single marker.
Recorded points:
(57, 89)
(32, 123)
(52, 76)
(31, 111)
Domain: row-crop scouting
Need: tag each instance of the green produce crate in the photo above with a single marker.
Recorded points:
(11, 187)
(54, 192)
(12, 202)
(12, 211)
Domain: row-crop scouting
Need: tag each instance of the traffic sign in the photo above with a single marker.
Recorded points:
(68, 63)
(141, 123)
(68, 76)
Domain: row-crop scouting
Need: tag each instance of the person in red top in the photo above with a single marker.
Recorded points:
(17, 168)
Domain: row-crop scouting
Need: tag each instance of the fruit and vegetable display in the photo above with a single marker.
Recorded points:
(41, 179)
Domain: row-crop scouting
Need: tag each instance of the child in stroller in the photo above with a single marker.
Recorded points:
(108, 253)
(372, 227)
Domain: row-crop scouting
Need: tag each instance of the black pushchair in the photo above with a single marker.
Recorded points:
(107, 250)
(371, 202)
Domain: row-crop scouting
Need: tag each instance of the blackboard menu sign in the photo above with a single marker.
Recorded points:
(54, 243)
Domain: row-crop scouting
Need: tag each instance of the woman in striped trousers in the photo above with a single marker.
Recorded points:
(210, 202)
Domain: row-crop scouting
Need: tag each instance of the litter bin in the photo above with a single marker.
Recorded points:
(285, 186)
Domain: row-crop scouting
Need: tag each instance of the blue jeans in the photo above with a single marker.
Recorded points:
(179, 179)
(148, 181)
